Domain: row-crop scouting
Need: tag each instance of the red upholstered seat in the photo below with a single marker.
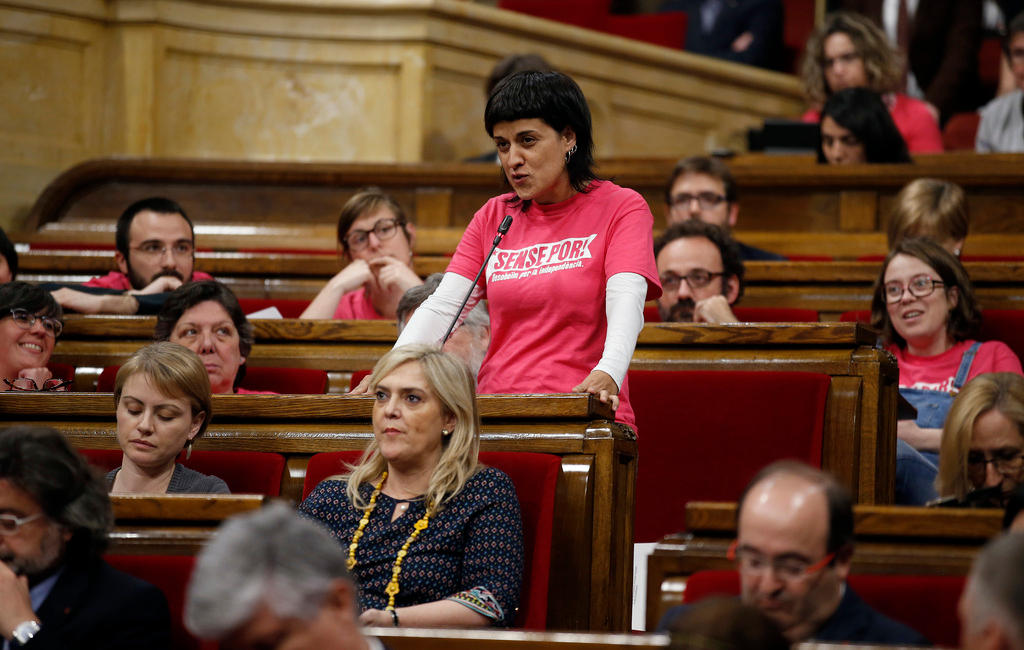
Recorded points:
(704, 434)
(753, 315)
(667, 28)
(926, 603)
(289, 308)
(1006, 325)
(169, 573)
(582, 13)
(798, 21)
(960, 131)
(357, 377)
(859, 316)
(287, 381)
(245, 472)
(536, 478)
(62, 370)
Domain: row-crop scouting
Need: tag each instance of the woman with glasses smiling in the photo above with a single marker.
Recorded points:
(925, 308)
(377, 239)
(982, 456)
(30, 322)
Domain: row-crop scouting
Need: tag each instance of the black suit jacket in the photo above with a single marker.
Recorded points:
(96, 607)
(762, 18)
(943, 52)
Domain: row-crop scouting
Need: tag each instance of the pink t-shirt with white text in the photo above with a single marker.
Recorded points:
(938, 372)
(356, 305)
(545, 285)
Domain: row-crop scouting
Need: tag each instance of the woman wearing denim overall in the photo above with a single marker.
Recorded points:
(925, 307)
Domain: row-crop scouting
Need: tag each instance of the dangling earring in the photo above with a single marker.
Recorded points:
(570, 152)
(445, 432)
(188, 450)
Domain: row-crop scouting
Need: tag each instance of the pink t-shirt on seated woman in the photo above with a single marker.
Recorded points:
(913, 120)
(937, 372)
(545, 285)
(356, 305)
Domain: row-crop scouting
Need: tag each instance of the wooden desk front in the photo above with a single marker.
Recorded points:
(592, 550)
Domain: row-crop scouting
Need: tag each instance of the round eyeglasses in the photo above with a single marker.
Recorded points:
(384, 229)
(920, 286)
(26, 319)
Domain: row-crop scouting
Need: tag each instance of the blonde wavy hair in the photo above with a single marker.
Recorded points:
(1003, 391)
(453, 384)
(928, 207)
(883, 65)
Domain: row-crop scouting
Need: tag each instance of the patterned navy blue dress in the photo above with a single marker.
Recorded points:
(471, 551)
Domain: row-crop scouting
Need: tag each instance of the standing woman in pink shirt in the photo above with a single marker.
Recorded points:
(566, 287)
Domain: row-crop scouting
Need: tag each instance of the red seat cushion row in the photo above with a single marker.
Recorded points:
(295, 381)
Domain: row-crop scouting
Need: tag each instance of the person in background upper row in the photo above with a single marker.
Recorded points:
(566, 287)
(701, 274)
(469, 341)
(927, 207)
(940, 43)
(162, 398)
(377, 239)
(1002, 120)
(206, 318)
(992, 603)
(856, 128)
(743, 32)
(925, 308)
(981, 461)
(8, 259)
(850, 51)
(155, 254)
(30, 322)
(703, 188)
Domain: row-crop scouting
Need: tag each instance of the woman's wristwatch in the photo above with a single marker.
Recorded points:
(23, 632)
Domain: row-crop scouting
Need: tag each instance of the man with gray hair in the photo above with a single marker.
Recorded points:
(469, 341)
(992, 604)
(273, 579)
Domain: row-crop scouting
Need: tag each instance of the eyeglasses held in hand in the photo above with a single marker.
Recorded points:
(29, 384)
(920, 286)
(696, 279)
(706, 200)
(383, 229)
(9, 524)
(26, 319)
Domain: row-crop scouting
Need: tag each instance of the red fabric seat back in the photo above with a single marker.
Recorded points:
(582, 13)
(245, 472)
(667, 28)
(170, 574)
(960, 131)
(62, 371)
(704, 434)
(798, 21)
(287, 381)
(535, 477)
(357, 377)
(926, 603)
(289, 307)
(1006, 325)
(859, 316)
(753, 314)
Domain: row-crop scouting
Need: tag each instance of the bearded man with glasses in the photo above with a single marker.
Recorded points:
(701, 274)
(56, 592)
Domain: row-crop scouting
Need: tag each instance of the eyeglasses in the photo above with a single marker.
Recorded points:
(706, 200)
(696, 279)
(845, 59)
(159, 249)
(384, 229)
(9, 524)
(920, 286)
(1007, 462)
(29, 384)
(1017, 54)
(26, 319)
(786, 569)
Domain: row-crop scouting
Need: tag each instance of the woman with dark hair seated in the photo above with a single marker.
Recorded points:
(162, 396)
(981, 461)
(434, 538)
(856, 128)
(925, 308)
(206, 318)
(8, 259)
(30, 322)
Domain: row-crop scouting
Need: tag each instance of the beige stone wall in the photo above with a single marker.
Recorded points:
(327, 80)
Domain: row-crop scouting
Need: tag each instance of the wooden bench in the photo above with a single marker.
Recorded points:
(890, 540)
(592, 549)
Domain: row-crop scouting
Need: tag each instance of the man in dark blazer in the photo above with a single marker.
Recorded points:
(56, 592)
(942, 52)
(743, 31)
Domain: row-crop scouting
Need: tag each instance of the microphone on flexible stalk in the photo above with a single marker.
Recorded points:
(506, 223)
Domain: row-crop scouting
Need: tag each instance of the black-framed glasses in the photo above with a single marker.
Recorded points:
(845, 59)
(159, 249)
(1007, 462)
(10, 524)
(706, 200)
(29, 384)
(26, 319)
(696, 279)
(920, 286)
(383, 229)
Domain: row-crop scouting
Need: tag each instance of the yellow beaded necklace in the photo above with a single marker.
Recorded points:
(392, 589)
